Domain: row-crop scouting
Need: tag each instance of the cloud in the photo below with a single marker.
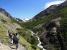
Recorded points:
(53, 3)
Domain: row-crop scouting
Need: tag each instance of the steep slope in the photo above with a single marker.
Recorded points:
(7, 22)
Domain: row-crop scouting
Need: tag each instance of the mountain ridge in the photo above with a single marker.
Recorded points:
(51, 9)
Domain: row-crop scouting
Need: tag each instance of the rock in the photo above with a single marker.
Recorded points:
(52, 39)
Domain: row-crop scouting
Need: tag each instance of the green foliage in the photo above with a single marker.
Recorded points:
(13, 20)
(64, 22)
(27, 35)
(36, 24)
(34, 47)
(33, 40)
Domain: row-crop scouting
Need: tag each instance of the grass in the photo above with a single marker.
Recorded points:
(26, 39)
(3, 35)
(26, 44)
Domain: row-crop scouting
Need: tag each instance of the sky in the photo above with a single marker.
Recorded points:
(26, 9)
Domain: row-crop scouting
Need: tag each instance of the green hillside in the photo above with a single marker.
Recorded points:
(36, 25)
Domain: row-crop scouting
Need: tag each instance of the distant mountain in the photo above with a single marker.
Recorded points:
(50, 10)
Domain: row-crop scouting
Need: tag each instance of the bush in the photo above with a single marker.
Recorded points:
(34, 47)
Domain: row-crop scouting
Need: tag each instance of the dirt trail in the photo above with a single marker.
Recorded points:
(6, 47)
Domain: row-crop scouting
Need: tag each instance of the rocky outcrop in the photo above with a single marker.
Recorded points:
(52, 38)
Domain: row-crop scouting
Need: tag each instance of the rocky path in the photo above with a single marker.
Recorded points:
(20, 47)
(5, 47)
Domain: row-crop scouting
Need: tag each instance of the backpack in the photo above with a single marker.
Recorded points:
(15, 39)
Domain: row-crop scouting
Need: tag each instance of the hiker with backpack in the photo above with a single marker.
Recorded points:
(15, 40)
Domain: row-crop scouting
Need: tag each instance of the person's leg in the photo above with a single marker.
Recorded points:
(11, 41)
(16, 46)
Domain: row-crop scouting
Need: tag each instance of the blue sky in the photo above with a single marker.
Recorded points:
(26, 9)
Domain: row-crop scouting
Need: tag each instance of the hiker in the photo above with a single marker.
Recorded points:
(10, 37)
(15, 40)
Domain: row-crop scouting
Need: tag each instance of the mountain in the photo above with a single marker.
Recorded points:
(9, 23)
(51, 10)
(51, 26)
(5, 12)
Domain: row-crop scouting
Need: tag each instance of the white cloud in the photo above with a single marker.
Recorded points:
(53, 3)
